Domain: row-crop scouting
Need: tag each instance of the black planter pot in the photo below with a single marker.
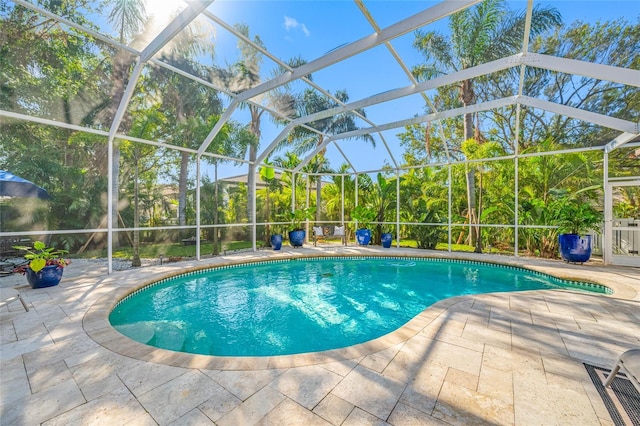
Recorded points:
(276, 241)
(296, 238)
(46, 277)
(575, 248)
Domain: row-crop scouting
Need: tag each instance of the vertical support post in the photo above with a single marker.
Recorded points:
(254, 228)
(356, 204)
(397, 208)
(306, 224)
(110, 206)
(516, 192)
(293, 191)
(516, 165)
(342, 202)
(449, 196)
(607, 234)
(198, 180)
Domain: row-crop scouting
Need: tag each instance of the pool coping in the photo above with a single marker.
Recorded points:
(96, 320)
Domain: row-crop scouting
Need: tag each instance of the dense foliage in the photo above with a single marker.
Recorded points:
(55, 74)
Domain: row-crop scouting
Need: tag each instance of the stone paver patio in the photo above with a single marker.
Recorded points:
(502, 358)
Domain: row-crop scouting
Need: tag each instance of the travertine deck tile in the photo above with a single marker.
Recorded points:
(404, 415)
(381, 393)
(306, 385)
(116, 407)
(537, 403)
(360, 417)
(175, 398)
(289, 413)
(333, 409)
(39, 407)
(220, 404)
(498, 358)
(253, 409)
(193, 417)
(461, 406)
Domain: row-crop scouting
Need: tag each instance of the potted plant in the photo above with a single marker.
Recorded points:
(297, 234)
(364, 215)
(45, 266)
(386, 239)
(574, 219)
(276, 239)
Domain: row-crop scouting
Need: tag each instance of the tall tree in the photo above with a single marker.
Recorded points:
(304, 140)
(244, 74)
(128, 18)
(480, 34)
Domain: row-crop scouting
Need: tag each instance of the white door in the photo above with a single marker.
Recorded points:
(624, 232)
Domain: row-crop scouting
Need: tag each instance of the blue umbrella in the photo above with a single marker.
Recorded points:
(14, 186)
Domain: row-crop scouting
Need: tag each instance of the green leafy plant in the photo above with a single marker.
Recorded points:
(575, 217)
(40, 256)
(297, 216)
(364, 215)
(428, 236)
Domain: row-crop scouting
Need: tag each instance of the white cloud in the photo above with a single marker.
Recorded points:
(293, 24)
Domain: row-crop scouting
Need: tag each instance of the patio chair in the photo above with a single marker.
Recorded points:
(322, 232)
(318, 234)
(8, 294)
(629, 364)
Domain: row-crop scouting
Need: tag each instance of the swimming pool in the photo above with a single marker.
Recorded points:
(297, 306)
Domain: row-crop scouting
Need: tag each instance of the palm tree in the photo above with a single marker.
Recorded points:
(310, 102)
(243, 75)
(128, 18)
(481, 34)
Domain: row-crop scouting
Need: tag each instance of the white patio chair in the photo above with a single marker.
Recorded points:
(629, 364)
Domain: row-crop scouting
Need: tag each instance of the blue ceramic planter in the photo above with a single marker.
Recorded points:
(46, 277)
(363, 237)
(386, 240)
(296, 238)
(575, 248)
(276, 241)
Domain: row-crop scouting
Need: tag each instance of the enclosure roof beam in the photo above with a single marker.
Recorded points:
(217, 127)
(427, 16)
(580, 114)
(316, 150)
(268, 150)
(625, 76)
(178, 24)
(484, 106)
(621, 140)
(465, 74)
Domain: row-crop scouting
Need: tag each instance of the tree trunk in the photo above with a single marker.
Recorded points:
(135, 262)
(216, 250)
(251, 178)
(182, 189)
(253, 153)
(467, 96)
(115, 188)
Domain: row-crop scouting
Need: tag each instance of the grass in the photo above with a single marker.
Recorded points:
(177, 250)
(167, 250)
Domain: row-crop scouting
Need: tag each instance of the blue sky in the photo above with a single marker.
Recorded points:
(312, 28)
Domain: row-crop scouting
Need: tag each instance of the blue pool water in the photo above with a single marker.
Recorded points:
(305, 305)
